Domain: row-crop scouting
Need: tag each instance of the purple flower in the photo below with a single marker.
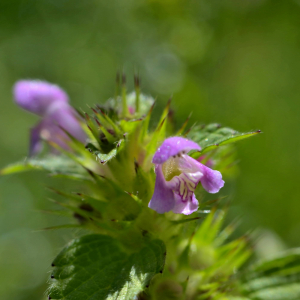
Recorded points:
(50, 102)
(177, 176)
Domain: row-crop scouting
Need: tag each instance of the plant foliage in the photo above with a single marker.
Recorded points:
(131, 252)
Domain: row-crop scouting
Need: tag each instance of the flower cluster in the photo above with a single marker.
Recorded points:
(177, 174)
(130, 183)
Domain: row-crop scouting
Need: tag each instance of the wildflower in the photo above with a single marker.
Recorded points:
(177, 176)
(50, 102)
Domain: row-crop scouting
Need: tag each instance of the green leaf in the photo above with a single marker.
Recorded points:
(96, 267)
(276, 279)
(211, 136)
(286, 264)
(104, 157)
(53, 164)
(286, 292)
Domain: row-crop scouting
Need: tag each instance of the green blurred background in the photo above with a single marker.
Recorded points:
(231, 61)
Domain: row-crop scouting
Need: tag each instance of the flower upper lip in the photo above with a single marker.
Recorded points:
(36, 95)
(171, 147)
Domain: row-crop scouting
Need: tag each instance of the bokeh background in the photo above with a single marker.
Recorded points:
(231, 61)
